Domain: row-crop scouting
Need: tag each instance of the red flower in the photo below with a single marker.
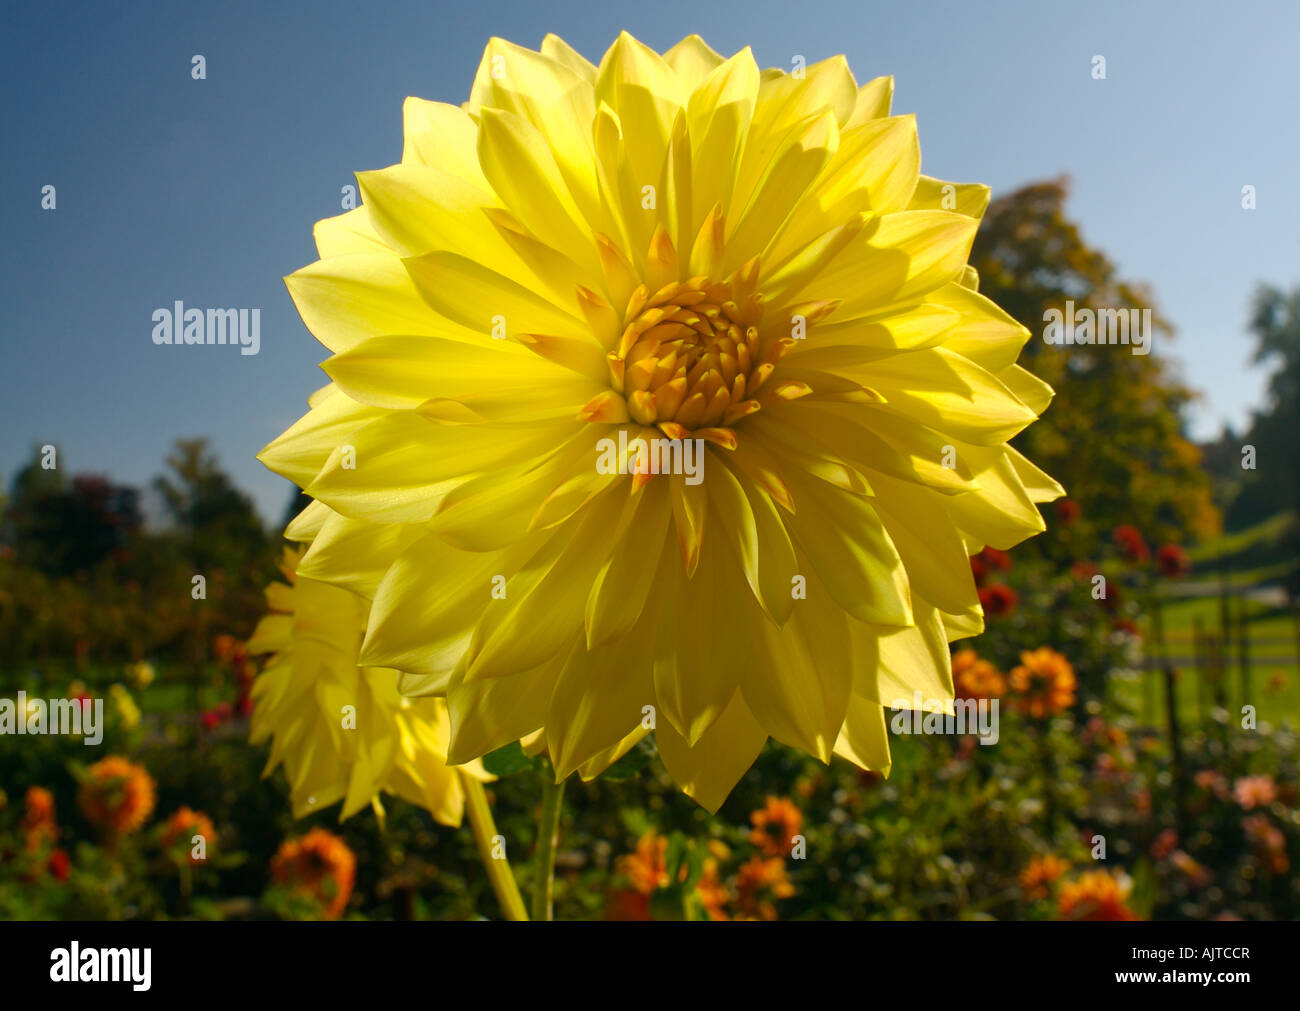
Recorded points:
(1173, 561)
(997, 559)
(1128, 625)
(1067, 511)
(998, 600)
(1131, 544)
(60, 866)
(1164, 844)
(211, 720)
(1083, 570)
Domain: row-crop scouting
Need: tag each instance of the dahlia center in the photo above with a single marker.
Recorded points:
(689, 357)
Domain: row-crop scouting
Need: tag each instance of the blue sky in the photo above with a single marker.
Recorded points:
(206, 191)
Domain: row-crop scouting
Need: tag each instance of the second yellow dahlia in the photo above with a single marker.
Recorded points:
(341, 731)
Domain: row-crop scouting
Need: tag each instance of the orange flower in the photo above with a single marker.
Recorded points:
(756, 880)
(1039, 873)
(647, 868)
(223, 647)
(1044, 683)
(1254, 791)
(183, 826)
(38, 822)
(1102, 734)
(1096, 895)
(318, 865)
(775, 826)
(117, 795)
(40, 807)
(626, 904)
(976, 678)
(712, 891)
(1190, 868)
(1268, 841)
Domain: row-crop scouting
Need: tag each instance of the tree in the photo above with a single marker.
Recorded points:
(59, 527)
(1275, 483)
(216, 521)
(1114, 436)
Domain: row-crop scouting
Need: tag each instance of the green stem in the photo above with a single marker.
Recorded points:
(485, 830)
(548, 828)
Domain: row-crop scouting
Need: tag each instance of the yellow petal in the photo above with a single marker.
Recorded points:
(800, 695)
(928, 542)
(486, 302)
(424, 625)
(353, 554)
(620, 589)
(598, 699)
(873, 101)
(898, 259)
(489, 714)
(522, 169)
(864, 739)
(692, 61)
(545, 598)
(561, 52)
(969, 199)
(401, 372)
(983, 332)
(874, 169)
(640, 88)
(892, 665)
(349, 232)
(441, 136)
(709, 769)
(557, 100)
(301, 451)
(350, 298)
(747, 517)
(842, 538)
(398, 468)
(949, 393)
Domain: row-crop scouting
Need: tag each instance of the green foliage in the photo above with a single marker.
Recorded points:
(1113, 435)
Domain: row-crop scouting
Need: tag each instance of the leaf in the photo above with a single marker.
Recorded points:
(631, 765)
(507, 761)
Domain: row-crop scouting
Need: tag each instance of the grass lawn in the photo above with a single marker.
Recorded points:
(1250, 558)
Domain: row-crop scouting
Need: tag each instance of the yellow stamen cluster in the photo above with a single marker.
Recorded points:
(690, 359)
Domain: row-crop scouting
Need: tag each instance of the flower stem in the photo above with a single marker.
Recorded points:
(485, 830)
(548, 828)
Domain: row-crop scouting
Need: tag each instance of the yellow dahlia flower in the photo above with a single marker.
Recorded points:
(671, 247)
(341, 731)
